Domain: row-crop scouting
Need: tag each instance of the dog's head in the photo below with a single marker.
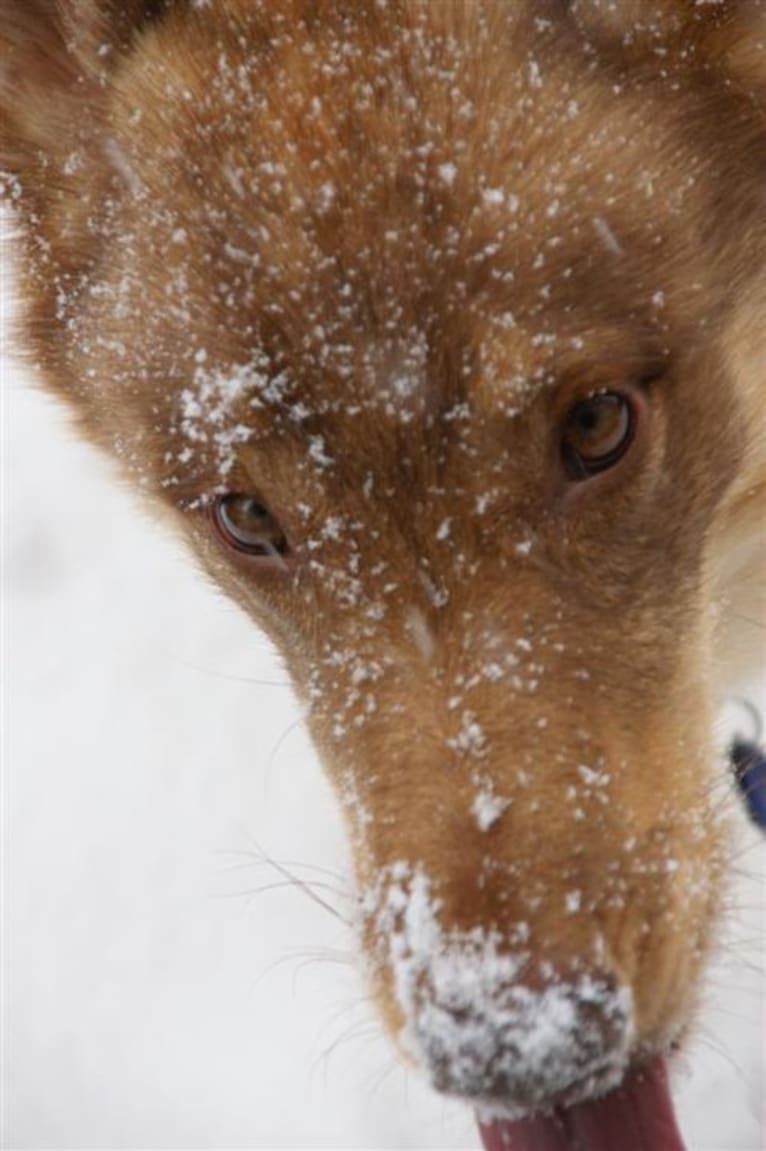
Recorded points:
(418, 319)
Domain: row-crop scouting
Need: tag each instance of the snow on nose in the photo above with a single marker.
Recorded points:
(488, 1021)
(483, 1037)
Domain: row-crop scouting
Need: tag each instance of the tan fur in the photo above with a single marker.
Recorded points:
(211, 182)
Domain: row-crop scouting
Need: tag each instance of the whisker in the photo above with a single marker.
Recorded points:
(353, 1031)
(304, 956)
(305, 886)
(291, 727)
(251, 860)
(388, 1070)
(302, 885)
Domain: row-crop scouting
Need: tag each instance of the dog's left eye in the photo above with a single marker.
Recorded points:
(248, 526)
(597, 433)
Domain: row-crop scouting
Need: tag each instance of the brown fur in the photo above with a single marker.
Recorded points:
(326, 208)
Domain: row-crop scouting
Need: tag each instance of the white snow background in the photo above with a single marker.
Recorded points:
(160, 986)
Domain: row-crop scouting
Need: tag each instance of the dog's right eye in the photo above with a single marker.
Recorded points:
(247, 526)
(597, 433)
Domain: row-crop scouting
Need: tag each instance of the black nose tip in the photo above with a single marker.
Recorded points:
(523, 1044)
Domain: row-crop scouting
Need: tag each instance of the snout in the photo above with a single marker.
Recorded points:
(535, 918)
(487, 1032)
(484, 1016)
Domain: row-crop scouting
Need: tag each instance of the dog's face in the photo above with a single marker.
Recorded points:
(417, 325)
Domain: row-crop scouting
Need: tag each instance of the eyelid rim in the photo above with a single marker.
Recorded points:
(580, 383)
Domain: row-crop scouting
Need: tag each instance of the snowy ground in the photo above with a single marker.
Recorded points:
(161, 989)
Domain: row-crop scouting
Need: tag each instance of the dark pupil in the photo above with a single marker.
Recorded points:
(251, 515)
(589, 416)
(600, 424)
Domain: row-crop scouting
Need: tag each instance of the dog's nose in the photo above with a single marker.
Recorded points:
(524, 1042)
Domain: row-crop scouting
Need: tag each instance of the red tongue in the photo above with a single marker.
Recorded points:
(636, 1116)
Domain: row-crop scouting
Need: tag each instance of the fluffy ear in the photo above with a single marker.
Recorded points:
(55, 56)
(55, 62)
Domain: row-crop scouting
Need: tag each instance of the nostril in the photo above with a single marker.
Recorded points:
(524, 1043)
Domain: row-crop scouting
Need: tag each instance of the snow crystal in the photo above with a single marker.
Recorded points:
(591, 777)
(438, 597)
(487, 807)
(326, 197)
(470, 740)
(572, 901)
(482, 503)
(73, 163)
(317, 452)
(350, 798)
(207, 413)
(447, 173)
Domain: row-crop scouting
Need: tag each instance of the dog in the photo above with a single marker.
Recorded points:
(437, 330)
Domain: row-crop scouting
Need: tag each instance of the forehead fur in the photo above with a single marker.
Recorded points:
(352, 206)
(375, 205)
